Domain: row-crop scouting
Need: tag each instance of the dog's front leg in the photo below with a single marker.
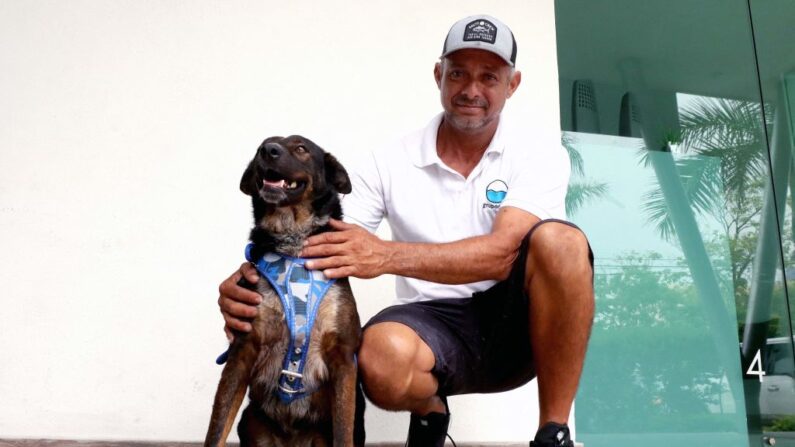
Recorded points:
(231, 389)
(344, 395)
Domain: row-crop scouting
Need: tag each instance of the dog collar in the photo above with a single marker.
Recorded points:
(300, 290)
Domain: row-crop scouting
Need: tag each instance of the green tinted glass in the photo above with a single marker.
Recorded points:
(671, 143)
(774, 35)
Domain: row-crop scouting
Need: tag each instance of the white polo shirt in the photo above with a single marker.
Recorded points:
(426, 201)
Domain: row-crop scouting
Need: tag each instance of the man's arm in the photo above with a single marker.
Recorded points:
(352, 251)
(238, 304)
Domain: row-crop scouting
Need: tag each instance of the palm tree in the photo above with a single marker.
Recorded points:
(581, 190)
(730, 132)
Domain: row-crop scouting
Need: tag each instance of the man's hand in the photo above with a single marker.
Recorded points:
(349, 251)
(238, 305)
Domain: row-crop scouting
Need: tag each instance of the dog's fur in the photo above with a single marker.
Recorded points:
(283, 218)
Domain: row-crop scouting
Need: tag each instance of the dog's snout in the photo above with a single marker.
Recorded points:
(273, 150)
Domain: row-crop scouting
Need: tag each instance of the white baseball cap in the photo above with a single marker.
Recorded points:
(482, 32)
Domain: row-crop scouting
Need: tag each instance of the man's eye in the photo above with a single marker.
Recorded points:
(456, 74)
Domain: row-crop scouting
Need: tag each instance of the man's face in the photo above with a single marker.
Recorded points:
(474, 85)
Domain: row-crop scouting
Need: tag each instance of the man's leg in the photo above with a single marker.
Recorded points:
(559, 280)
(395, 365)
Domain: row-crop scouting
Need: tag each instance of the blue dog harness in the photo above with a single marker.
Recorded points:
(300, 291)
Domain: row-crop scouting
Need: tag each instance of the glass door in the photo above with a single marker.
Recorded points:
(769, 329)
(677, 118)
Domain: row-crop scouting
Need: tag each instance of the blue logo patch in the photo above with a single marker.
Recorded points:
(496, 191)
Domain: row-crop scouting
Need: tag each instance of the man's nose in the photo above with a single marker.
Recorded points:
(471, 90)
(273, 150)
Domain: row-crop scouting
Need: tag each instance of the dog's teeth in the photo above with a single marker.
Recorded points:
(275, 184)
(293, 185)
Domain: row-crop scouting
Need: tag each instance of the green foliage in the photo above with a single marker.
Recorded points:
(575, 158)
(581, 190)
(703, 188)
(651, 363)
(786, 423)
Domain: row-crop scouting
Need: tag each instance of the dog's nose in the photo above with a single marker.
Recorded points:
(274, 150)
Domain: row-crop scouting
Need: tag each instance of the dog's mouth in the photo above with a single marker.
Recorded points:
(277, 187)
(273, 179)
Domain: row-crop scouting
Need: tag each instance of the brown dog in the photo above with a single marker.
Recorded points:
(303, 387)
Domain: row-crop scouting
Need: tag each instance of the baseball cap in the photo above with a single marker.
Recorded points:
(482, 32)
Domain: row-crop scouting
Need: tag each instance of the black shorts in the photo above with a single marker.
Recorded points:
(481, 344)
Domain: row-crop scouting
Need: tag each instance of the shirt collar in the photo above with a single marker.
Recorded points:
(427, 155)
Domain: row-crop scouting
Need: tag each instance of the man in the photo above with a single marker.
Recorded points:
(491, 295)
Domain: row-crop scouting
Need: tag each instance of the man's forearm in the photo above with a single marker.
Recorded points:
(468, 260)
(353, 251)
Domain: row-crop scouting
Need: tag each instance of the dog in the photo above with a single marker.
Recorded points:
(302, 377)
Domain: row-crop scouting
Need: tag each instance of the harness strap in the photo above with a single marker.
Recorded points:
(300, 291)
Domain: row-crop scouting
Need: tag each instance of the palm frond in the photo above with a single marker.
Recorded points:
(740, 164)
(656, 209)
(575, 158)
(717, 123)
(581, 192)
(703, 188)
(728, 131)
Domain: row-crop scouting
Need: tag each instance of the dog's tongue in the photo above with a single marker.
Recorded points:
(276, 184)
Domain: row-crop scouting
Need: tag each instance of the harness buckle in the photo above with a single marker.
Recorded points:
(291, 376)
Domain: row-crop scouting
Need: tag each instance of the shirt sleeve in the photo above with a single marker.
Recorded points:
(539, 186)
(365, 205)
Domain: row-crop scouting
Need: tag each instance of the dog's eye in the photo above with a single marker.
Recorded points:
(300, 149)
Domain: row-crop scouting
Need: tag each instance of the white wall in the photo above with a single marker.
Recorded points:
(124, 129)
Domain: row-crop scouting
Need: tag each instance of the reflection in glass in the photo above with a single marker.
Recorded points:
(683, 130)
(653, 366)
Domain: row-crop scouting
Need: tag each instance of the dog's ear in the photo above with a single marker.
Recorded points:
(248, 182)
(336, 174)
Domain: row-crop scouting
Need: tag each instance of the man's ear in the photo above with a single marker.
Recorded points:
(336, 174)
(437, 74)
(514, 82)
(248, 183)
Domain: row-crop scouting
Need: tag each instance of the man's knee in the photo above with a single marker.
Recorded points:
(387, 358)
(557, 247)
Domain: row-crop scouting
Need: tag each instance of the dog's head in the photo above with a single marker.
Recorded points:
(286, 171)
(293, 172)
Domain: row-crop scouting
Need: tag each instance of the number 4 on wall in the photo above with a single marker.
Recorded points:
(756, 362)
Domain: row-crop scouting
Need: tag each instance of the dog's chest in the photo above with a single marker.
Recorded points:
(274, 335)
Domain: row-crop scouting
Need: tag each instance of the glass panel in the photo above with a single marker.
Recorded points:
(663, 365)
(672, 183)
(774, 36)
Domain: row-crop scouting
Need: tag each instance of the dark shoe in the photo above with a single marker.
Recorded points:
(429, 430)
(552, 435)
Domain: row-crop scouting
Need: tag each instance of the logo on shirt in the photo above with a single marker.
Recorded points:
(495, 194)
(480, 30)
